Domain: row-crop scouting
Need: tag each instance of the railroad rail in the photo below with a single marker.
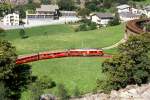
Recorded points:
(133, 26)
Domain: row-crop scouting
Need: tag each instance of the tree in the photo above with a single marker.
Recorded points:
(130, 66)
(4, 9)
(66, 4)
(3, 91)
(17, 81)
(14, 77)
(83, 12)
(46, 2)
(86, 24)
(115, 21)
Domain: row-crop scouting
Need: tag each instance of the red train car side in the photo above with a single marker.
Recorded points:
(59, 54)
(50, 55)
(85, 52)
(27, 58)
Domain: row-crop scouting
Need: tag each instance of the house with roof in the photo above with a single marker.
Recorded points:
(11, 19)
(123, 8)
(44, 12)
(146, 11)
(127, 16)
(101, 18)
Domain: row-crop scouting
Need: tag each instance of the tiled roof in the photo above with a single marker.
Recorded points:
(123, 6)
(104, 15)
(47, 8)
(147, 8)
(128, 14)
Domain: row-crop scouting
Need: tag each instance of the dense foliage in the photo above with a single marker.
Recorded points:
(115, 21)
(83, 12)
(130, 66)
(62, 92)
(4, 9)
(86, 25)
(14, 78)
(23, 34)
(38, 87)
(66, 4)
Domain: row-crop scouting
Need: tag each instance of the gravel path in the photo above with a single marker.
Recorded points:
(115, 45)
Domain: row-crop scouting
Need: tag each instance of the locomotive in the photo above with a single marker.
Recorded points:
(59, 54)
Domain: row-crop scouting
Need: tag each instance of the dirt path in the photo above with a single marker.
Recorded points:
(114, 45)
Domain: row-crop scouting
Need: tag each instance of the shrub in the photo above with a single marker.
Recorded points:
(2, 32)
(115, 21)
(86, 25)
(130, 66)
(23, 34)
(62, 92)
(76, 92)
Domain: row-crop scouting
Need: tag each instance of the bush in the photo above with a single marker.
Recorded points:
(2, 32)
(38, 87)
(115, 21)
(23, 34)
(86, 25)
(62, 92)
(130, 66)
(76, 92)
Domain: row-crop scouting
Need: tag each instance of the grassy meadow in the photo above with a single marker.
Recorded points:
(72, 72)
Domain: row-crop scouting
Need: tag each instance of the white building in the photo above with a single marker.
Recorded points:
(146, 11)
(44, 12)
(101, 18)
(11, 19)
(123, 8)
(127, 16)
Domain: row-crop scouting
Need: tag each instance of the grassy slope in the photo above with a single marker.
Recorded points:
(81, 72)
(63, 37)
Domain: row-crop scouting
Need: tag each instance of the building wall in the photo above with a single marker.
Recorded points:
(124, 10)
(95, 19)
(125, 19)
(11, 20)
(99, 21)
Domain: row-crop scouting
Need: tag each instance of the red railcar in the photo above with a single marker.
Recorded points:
(85, 52)
(50, 55)
(59, 54)
(27, 58)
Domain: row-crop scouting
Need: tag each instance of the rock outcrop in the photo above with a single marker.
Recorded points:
(131, 92)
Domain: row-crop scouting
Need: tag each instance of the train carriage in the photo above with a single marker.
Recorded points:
(50, 55)
(86, 52)
(27, 58)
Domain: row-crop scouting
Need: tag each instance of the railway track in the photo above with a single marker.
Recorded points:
(134, 26)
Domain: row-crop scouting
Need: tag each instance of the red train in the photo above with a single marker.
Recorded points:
(59, 54)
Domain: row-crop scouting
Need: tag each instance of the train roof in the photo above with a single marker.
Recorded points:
(87, 49)
(27, 55)
(55, 51)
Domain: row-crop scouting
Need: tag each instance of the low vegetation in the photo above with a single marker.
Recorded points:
(86, 25)
(130, 66)
(61, 37)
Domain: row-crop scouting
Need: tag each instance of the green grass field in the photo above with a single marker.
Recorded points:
(80, 72)
(58, 37)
